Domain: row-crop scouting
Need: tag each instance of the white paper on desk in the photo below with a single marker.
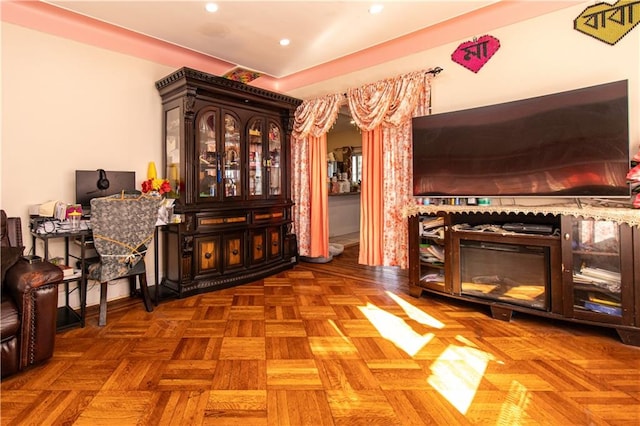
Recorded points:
(165, 211)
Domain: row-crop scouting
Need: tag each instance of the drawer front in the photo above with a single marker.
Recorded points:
(205, 222)
(208, 255)
(267, 216)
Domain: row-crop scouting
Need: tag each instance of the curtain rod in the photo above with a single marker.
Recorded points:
(435, 71)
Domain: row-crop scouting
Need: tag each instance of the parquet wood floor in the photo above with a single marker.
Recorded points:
(333, 344)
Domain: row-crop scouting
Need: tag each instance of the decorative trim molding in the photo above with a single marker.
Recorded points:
(619, 215)
(210, 79)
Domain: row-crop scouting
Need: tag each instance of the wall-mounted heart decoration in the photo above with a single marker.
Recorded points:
(475, 53)
(608, 23)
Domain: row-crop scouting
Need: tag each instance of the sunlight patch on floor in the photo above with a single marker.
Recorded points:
(337, 329)
(514, 408)
(415, 313)
(396, 329)
(457, 373)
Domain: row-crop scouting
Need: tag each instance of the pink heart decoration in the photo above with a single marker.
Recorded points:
(475, 53)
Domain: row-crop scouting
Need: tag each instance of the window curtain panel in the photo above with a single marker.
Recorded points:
(312, 121)
(383, 111)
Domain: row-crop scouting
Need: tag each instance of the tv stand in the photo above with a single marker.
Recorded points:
(586, 271)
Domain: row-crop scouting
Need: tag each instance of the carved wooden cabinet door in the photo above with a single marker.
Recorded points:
(233, 251)
(258, 241)
(275, 242)
(208, 254)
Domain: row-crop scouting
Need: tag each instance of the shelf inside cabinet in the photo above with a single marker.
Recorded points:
(595, 253)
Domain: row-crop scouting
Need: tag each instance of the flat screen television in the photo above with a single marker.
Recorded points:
(87, 185)
(570, 144)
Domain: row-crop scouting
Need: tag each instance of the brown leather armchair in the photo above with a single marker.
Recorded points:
(29, 303)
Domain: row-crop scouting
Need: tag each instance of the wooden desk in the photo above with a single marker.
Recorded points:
(69, 317)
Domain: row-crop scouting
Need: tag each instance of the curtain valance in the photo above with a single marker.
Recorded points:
(316, 116)
(388, 102)
(388, 106)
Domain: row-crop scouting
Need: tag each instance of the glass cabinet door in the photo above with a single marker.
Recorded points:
(596, 272)
(273, 160)
(232, 159)
(256, 178)
(172, 146)
(432, 252)
(209, 157)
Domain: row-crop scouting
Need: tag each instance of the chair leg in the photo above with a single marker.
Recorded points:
(144, 289)
(102, 316)
(132, 286)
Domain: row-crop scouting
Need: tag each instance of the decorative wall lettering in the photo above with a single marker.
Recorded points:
(474, 54)
(609, 23)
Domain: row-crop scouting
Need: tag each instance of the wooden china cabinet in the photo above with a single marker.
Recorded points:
(227, 157)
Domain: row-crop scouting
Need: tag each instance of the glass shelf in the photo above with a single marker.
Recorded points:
(232, 157)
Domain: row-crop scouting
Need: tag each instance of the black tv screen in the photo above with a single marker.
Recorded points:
(87, 185)
(570, 144)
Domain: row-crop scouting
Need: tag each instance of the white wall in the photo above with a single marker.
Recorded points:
(68, 106)
(344, 214)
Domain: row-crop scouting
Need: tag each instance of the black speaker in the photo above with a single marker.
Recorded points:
(103, 182)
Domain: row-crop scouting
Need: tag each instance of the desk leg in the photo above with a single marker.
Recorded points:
(156, 247)
(83, 281)
(83, 299)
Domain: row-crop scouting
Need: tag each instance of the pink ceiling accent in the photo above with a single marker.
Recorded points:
(46, 18)
(53, 20)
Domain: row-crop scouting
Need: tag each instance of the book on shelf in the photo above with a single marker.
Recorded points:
(597, 307)
(602, 278)
(603, 300)
(437, 232)
(600, 274)
(434, 251)
(433, 278)
(432, 223)
(68, 271)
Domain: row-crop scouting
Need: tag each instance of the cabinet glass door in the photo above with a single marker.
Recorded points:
(597, 279)
(232, 159)
(256, 178)
(432, 252)
(209, 157)
(273, 160)
(172, 145)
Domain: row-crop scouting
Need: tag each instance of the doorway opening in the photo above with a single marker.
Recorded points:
(344, 170)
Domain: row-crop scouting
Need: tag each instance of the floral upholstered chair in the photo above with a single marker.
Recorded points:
(123, 226)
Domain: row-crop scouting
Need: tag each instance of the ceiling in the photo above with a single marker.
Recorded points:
(247, 33)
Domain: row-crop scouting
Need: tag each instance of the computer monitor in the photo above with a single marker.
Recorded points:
(89, 182)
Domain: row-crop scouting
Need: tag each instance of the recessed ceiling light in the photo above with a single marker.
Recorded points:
(211, 7)
(375, 9)
(285, 42)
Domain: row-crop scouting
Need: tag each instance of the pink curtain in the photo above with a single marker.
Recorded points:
(386, 108)
(319, 211)
(312, 121)
(371, 235)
